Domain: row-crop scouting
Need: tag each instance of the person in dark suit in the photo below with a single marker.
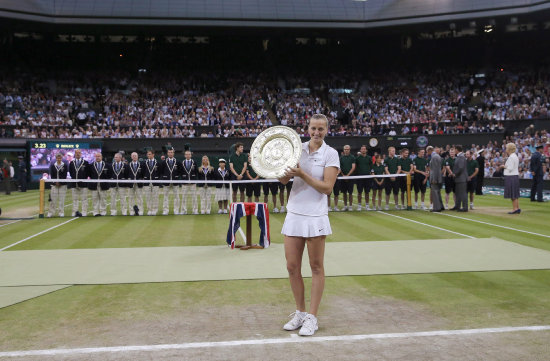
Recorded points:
(77, 169)
(58, 170)
(22, 174)
(98, 170)
(481, 174)
(118, 171)
(169, 171)
(189, 171)
(535, 167)
(461, 179)
(151, 172)
(436, 179)
(134, 171)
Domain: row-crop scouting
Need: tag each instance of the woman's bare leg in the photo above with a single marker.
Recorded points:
(294, 249)
(316, 252)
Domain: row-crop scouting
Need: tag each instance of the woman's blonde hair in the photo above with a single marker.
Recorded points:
(319, 116)
(207, 162)
(511, 148)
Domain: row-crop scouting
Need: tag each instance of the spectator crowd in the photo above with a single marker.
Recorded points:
(93, 105)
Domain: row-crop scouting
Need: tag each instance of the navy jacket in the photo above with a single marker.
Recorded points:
(59, 173)
(78, 172)
(98, 171)
(536, 165)
(134, 172)
(151, 171)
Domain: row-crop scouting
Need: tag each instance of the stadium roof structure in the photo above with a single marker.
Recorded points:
(350, 14)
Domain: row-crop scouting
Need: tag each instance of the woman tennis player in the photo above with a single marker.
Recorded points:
(307, 221)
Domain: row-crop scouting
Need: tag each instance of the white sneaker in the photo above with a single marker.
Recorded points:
(423, 207)
(164, 213)
(471, 206)
(336, 209)
(397, 207)
(225, 211)
(330, 209)
(220, 211)
(367, 208)
(309, 326)
(195, 212)
(387, 207)
(358, 208)
(296, 322)
(415, 206)
(275, 210)
(202, 212)
(379, 208)
(283, 209)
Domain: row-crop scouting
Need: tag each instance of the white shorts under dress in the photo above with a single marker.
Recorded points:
(297, 225)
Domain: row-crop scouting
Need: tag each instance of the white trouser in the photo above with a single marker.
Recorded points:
(57, 202)
(135, 198)
(189, 190)
(175, 190)
(99, 201)
(121, 193)
(206, 199)
(152, 199)
(80, 195)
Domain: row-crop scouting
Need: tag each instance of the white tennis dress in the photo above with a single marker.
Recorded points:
(307, 209)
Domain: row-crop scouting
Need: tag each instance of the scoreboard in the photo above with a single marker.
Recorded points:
(43, 153)
(65, 145)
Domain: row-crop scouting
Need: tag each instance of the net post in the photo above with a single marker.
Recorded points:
(42, 192)
(249, 230)
(409, 201)
(230, 200)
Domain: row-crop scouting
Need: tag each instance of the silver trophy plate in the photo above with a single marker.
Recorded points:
(274, 150)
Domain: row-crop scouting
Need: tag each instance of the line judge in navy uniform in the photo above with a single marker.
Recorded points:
(189, 173)
(205, 173)
(77, 170)
(170, 171)
(134, 171)
(118, 171)
(535, 167)
(98, 170)
(222, 189)
(58, 191)
(151, 190)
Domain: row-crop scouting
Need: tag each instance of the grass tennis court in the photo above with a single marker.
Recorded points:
(104, 315)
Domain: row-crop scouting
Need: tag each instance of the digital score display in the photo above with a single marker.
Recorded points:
(42, 154)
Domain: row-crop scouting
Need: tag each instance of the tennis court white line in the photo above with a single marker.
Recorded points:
(425, 224)
(494, 225)
(7, 224)
(269, 341)
(37, 234)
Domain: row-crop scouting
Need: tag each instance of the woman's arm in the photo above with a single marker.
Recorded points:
(322, 186)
